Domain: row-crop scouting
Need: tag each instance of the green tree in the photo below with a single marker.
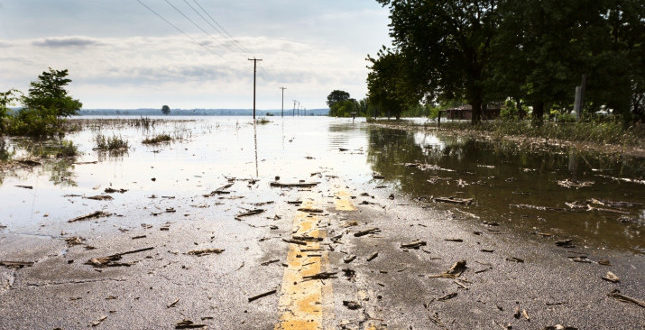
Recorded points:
(49, 93)
(336, 96)
(448, 43)
(165, 110)
(389, 84)
(6, 99)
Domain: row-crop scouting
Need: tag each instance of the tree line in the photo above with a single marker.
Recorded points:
(528, 54)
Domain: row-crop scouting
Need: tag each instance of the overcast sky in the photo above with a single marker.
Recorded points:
(121, 55)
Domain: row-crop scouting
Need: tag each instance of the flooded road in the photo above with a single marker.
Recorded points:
(597, 198)
(316, 223)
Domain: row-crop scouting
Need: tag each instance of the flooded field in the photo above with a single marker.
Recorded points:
(597, 199)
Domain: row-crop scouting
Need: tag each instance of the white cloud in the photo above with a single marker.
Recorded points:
(137, 71)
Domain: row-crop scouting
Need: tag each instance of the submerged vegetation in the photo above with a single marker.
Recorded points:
(157, 139)
(112, 143)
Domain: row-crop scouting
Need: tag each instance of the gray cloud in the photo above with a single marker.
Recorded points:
(66, 42)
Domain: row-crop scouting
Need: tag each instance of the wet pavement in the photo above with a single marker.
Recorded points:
(201, 235)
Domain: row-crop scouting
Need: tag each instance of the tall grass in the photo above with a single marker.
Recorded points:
(112, 143)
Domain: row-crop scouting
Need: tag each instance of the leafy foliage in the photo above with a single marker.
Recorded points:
(336, 96)
(165, 110)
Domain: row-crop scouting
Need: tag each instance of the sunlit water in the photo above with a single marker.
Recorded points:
(510, 186)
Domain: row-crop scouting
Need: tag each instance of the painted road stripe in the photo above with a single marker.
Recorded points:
(343, 201)
(301, 302)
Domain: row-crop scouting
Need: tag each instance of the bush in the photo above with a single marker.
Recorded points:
(157, 139)
(112, 143)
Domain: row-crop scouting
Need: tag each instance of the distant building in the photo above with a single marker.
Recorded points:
(465, 112)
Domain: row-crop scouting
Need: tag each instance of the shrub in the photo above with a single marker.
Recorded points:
(157, 139)
(112, 143)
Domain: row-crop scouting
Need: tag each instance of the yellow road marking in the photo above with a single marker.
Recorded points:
(301, 302)
(343, 201)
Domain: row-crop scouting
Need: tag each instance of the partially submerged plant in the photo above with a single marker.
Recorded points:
(157, 139)
(112, 143)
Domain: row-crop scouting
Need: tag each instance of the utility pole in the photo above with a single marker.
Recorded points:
(293, 112)
(282, 113)
(255, 70)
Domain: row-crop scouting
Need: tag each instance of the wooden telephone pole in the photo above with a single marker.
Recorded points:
(255, 70)
(282, 112)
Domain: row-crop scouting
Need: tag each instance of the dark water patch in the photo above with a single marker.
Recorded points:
(597, 198)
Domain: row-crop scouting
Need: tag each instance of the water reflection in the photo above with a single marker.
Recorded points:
(527, 187)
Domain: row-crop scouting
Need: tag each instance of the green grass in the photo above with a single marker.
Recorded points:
(157, 139)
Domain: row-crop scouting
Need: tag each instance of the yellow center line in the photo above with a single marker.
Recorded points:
(301, 301)
(343, 201)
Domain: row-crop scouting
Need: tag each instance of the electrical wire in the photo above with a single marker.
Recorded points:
(178, 29)
(222, 29)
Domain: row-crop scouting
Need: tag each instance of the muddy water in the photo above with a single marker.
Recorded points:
(510, 186)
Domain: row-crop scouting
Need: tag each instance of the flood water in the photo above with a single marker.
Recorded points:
(597, 199)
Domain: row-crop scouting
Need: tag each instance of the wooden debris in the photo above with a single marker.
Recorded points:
(310, 210)
(93, 215)
(413, 245)
(187, 324)
(373, 256)
(100, 198)
(515, 259)
(367, 232)
(262, 295)
(266, 263)
(458, 240)
(16, 264)
(455, 270)
(249, 213)
(567, 243)
(110, 190)
(24, 186)
(204, 252)
(611, 277)
(559, 327)
(448, 296)
(349, 258)
(71, 241)
(293, 241)
(220, 191)
(620, 297)
(99, 321)
(320, 276)
(28, 162)
(350, 304)
(574, 183)
(110, 261)
(454, 200)
(294, 185)
(173, 303)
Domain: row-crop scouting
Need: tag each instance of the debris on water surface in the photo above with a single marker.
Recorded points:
(100, 198)
(110, 190)
(24, 186)
(294, 185)
(367, 232)
(97, 214)
(611, 277)
(261, 295)
(187, 324)
(220, 191)
(574, 183)
(458, 240)
(204, 252)
(454, 200)
(413, 245)
(249, 213)
(310, 210)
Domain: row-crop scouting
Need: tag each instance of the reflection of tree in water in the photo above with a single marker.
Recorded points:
(61, 172)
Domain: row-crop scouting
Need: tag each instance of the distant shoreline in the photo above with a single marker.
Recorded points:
(198, 112)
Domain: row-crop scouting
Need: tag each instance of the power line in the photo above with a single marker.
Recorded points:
(177, 28)
(222, 28)
(190, 20)
(209, 23)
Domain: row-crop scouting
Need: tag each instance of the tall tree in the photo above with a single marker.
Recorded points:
(449, 44)
(336, 96)
(49, 93)
(165, 110)
(389, 84)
